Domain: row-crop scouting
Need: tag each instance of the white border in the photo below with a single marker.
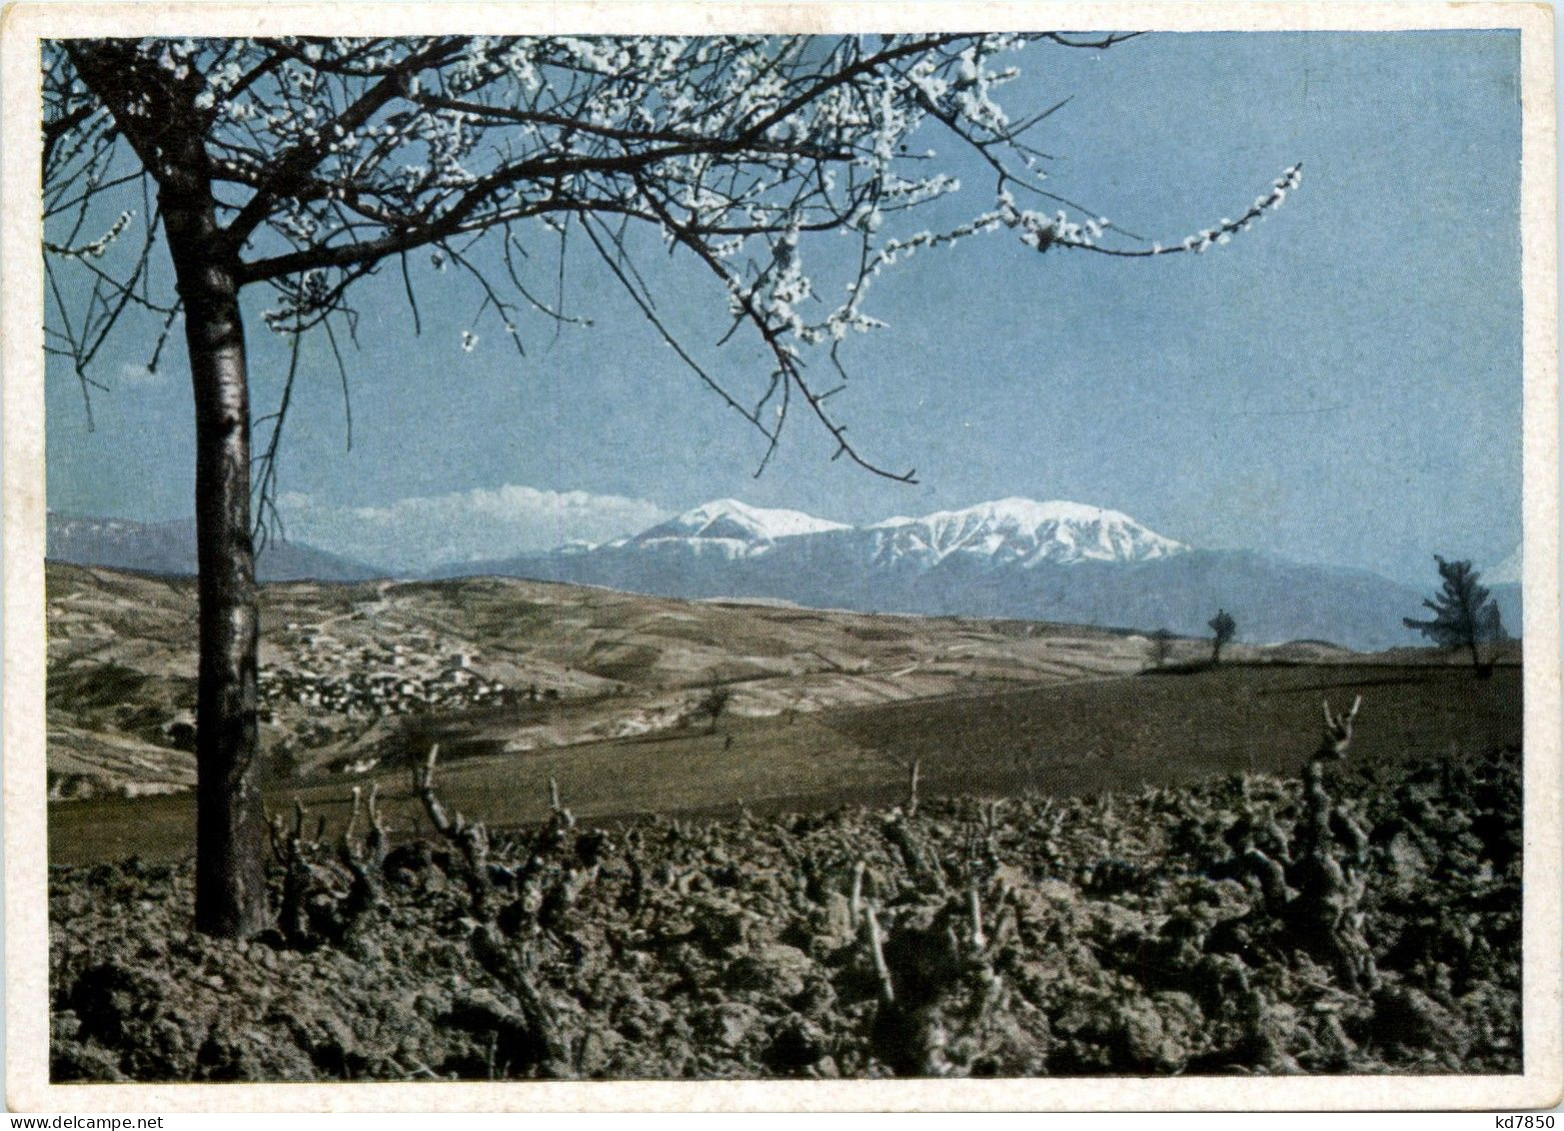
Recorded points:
(21, 413)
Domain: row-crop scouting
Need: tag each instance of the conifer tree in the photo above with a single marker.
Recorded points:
(1465, 614)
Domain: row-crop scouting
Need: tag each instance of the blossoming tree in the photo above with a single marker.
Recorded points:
(301, 166)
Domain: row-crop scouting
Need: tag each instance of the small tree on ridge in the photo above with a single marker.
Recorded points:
(712, 704)
(1465, 615)
(1222, 629)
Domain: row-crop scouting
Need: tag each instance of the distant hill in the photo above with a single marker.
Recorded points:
(1015, 558)
(360, 673)
(1508, 598)
(507, 673)
(170, 548)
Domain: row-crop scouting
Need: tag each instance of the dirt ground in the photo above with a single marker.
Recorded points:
(1369, 923)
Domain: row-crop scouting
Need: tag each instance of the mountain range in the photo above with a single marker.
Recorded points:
(170, 548)
(1013, 558)
(1019, 558)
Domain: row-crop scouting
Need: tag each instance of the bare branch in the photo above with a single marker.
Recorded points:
(291, 165)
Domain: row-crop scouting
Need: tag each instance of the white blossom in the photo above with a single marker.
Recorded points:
(705, 139)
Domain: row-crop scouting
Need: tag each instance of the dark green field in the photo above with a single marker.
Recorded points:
(1087, 737)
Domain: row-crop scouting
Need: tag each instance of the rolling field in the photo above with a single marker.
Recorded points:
(353, 675)
(1109, 918)
(1080, 738)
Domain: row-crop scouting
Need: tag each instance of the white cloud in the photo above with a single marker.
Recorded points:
(419, 533)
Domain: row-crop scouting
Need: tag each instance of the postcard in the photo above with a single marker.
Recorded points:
(797, 557)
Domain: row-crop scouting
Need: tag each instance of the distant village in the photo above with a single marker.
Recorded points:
(337, 683)
(373, 681)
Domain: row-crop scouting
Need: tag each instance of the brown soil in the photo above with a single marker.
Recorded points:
(1121, 934)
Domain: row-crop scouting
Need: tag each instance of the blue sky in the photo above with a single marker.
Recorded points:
(1341, 384)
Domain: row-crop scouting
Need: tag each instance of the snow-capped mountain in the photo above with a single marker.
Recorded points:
(1018, 558)
(1007, 532)
(1022, 532)
(730, 528)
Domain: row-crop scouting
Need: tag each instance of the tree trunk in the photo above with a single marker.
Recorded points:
(1471, 644)
(230, 870)
(159, 116)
